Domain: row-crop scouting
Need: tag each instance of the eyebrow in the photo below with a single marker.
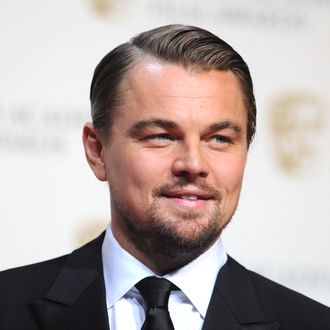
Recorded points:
(153, 122)
(221, 125)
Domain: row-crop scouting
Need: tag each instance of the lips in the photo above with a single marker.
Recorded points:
(188, 195)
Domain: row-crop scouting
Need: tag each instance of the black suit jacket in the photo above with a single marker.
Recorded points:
(68, 293)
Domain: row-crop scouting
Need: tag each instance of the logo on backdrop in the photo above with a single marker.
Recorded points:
(298, 128)
(106, 8)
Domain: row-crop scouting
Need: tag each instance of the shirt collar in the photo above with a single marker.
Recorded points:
(197, 278)
(122, 271)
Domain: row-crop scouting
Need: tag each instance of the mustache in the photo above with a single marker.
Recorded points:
(201, 186)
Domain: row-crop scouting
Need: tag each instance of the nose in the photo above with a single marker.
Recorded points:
(190, 162)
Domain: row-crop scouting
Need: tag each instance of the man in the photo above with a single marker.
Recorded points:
(173, 115)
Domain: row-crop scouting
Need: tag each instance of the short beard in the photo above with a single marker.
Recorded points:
(166, 241)
(158, 238)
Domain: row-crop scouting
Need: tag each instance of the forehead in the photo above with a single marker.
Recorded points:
(156, 88)
(168, 78)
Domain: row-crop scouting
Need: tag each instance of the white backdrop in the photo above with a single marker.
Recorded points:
(50, 202)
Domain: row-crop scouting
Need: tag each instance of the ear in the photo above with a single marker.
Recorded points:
(94, 151)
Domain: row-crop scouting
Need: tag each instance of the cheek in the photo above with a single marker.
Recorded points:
(137, 171)
(230, 178)
(229, 174)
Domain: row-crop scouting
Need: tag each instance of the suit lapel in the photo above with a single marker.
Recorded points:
(76, 300)
(234, 304)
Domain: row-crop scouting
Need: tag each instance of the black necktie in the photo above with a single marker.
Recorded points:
(155, 292)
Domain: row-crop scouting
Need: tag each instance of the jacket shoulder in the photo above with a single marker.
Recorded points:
(288, 306)
(34, 279)
(19, 286)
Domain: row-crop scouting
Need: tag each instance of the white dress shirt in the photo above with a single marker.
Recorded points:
(187, 306)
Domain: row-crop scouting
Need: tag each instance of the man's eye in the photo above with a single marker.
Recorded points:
(160, 137)
(221, 139)
(158, 140)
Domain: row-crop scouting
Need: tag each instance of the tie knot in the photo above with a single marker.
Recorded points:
(155, 291)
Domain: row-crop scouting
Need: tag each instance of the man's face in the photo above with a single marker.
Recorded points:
(175, 159)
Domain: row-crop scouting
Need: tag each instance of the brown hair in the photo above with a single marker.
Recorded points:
(178, 44)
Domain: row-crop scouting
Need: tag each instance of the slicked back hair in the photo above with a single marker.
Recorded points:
(188, 46)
